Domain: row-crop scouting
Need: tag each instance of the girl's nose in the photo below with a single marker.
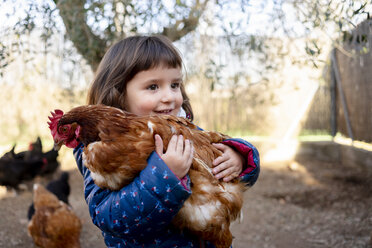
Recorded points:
(168, 95)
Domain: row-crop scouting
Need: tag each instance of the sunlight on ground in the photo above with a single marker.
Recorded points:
(358, 144)
(3, 192)
(286, 150)
(281, 152)
(294, 168)
(308, 178)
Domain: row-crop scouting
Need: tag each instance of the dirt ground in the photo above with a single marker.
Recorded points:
(293, 204)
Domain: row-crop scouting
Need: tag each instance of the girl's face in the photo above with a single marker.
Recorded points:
(155, 91)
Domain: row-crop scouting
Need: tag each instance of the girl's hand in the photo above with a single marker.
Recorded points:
(178, 156)
(229, 165)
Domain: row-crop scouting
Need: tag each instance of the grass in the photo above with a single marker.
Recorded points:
(315, 138)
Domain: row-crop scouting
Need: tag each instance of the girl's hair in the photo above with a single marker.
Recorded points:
(124, 60)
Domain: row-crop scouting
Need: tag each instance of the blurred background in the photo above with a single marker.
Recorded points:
(253, 68)
(292, 77)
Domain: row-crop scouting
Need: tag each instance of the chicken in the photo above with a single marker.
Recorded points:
(16, 168)
(50, 162)
(12, 155)
(53, 225)
(59, 187)
(34, 150)
(117, 145)
(14, 171)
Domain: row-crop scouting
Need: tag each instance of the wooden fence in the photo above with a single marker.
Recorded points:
(345, 104)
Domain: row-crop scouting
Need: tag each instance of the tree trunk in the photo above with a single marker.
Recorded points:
(89, 45)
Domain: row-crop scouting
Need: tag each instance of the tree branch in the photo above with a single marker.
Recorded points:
(188, 24)
(89, 45)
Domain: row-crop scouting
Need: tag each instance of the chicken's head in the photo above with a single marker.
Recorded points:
(63, 134)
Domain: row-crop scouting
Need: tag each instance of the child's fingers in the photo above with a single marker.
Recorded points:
(187, 147)
(172, 143)
(179, 148)
(225, 173)
(191, 156)
(226, 170)
(220, 146)
(229, 178)
(233, 174)
(222, 174)
(187, 151)
(220, 159)
(158, 144)
(220, 167)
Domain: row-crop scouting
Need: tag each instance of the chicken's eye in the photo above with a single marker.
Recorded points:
(63, 129)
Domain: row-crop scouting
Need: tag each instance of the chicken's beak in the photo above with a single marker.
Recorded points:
(57, 146)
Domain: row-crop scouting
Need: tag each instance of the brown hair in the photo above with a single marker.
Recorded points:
(124, 60)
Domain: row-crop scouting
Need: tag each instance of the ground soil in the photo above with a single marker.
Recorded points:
(300, 203)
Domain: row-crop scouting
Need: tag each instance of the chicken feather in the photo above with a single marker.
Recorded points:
(117, 145)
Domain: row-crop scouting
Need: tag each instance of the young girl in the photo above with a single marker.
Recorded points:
(143, 75)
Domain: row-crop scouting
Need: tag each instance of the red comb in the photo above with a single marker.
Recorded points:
(56, 116)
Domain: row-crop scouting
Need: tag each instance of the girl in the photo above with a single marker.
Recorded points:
(143, 75)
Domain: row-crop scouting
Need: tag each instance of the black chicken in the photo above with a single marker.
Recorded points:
(15, 171)
(50, 162)
(25, 165)
(35, 150)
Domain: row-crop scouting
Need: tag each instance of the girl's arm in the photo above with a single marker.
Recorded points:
(155, 196)
(250, 160)
(240, 158)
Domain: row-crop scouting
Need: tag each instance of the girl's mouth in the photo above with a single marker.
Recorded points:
(164, 112)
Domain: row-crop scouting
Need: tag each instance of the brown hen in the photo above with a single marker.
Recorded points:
(53, 225)
(117, 145)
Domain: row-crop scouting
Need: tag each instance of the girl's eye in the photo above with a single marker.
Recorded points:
(152, 87)
(175, 85)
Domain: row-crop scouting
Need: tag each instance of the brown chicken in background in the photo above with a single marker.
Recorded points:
(117, 145)
(53, 224)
